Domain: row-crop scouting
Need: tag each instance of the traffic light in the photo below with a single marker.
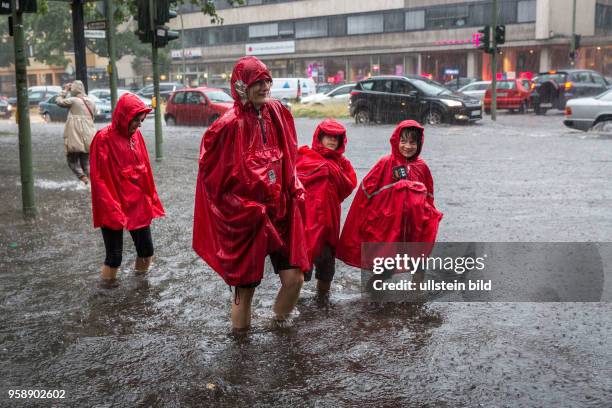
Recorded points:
(577, 38)
(144, 31)
(485, 39)
(151, 22)
(500, 34)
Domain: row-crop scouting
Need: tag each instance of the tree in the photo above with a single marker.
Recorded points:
(50, 30)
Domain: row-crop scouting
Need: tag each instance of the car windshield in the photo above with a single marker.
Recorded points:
(218, 96)
(430, 88)
(560, 77)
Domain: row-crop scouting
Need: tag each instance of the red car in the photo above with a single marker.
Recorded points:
(197, 106)
(511, 94)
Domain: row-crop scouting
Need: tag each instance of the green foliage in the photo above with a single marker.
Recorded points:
(49, 31)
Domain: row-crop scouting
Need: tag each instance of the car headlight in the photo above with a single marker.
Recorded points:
(451, 102)
(98, 111)
(9, 107)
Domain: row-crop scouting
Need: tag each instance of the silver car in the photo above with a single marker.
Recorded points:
(476, 89)
(590, 113)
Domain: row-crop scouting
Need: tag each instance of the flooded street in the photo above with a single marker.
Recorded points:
(164, 339)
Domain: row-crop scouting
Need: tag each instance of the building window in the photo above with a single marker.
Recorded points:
(263, 30)
(394, 21)
(603, 17)
(526, 11)
(285, 29)
(311, 28)
(364, 24)
(337, 26)
(447, 17)
(415, 20)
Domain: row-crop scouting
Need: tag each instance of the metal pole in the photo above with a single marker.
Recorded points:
(23, 116)
(183, 52)
(159, 141)
(110, 40)
(494, 62)
(78, 32)
(573, 42)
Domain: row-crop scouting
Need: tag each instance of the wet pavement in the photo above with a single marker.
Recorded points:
(164, 339)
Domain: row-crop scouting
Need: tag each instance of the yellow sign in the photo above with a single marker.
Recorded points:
(154, 102)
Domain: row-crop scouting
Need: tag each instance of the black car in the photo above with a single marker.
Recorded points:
(165, 90)
(553, 89)
(395, 98)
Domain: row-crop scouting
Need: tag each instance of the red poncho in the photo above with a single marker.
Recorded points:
(249, 202)
(123, 192)
(394, 203)
(329, 179)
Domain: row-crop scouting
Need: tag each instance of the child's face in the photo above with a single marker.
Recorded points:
(330, 141)
(408, 143)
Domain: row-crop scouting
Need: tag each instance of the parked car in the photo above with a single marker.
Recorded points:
(165, 90)
(337, 96)
(286, 89)
(5, 108)
(512, 94)
(455, 84)
(105, 95)
(394, 98)
(590, 113)
(37, 94)
(553, 89)
(475, 89)
(325, 87)
(197, 106)
(51, 112)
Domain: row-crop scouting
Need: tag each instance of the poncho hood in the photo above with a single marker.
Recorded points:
(247, 71)
(330, 127)
(395, 138)
(128, 106)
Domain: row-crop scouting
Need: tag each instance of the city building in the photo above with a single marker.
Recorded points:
(344, 41)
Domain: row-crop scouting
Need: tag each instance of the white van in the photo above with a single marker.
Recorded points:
(287, 88)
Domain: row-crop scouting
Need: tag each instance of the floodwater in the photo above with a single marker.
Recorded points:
(164, 339)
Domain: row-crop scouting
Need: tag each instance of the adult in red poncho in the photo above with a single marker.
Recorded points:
(329, 179)
(395, 201)
(249, 202)
(123, 192)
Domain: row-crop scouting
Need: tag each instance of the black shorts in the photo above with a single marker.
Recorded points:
(324, 265)
(280, 262)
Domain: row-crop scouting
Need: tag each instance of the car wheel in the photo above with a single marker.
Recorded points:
(213, 119)
(523, 107)
(602, 126)
(170, 121)
(433, 117)
(539, 111)
(46, 117)
(362, 117)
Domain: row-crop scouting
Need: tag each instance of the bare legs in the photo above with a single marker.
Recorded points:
(291, 284)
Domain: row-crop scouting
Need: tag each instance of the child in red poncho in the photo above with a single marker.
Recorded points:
(329, 179)
(249, 202)
(123, 192)
(395, 201)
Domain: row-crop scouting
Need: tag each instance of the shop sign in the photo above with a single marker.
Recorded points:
(280, 47)
(451, 71)
(189, 53)
(474, 40)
